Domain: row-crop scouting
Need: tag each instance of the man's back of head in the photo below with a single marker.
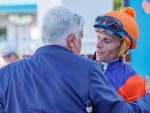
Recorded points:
(58, 24)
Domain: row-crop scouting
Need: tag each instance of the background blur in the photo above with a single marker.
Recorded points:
(20, 24)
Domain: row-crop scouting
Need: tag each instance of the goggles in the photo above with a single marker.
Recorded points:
(109, 32)
(114, 25)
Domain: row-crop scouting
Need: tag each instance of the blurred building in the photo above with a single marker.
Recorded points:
(20, 21)
(18, 24)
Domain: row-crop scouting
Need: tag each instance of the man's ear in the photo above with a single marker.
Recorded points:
(70, 40)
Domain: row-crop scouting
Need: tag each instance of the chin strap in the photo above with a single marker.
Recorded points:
(122, 50)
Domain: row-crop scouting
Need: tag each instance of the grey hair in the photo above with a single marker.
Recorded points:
(58, 24)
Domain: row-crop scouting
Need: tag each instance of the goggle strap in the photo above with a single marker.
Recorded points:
(132, 39)
(120, 33)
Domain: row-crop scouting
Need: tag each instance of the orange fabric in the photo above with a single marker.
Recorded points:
(129, 24)
(133, 88)
(130, 11)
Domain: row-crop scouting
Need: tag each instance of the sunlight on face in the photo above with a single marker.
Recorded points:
(107, 47)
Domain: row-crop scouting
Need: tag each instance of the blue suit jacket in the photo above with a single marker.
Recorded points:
(54, 80)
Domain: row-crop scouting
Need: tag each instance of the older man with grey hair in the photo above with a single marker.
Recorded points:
(57, 80)
(64, 28)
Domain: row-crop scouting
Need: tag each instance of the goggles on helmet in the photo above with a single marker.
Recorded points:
(113, 25)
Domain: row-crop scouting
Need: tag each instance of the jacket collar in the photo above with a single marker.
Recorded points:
(111, 64)
(50, 49)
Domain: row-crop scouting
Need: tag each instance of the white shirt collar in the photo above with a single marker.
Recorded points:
(105, 64)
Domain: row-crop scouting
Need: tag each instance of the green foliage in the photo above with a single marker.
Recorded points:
(2, 31)
(117, 4)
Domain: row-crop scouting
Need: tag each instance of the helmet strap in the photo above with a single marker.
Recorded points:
(122, 50)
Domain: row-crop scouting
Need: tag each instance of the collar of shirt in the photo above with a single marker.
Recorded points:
(105, 64)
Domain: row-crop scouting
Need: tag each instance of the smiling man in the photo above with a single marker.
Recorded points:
(117, 33)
